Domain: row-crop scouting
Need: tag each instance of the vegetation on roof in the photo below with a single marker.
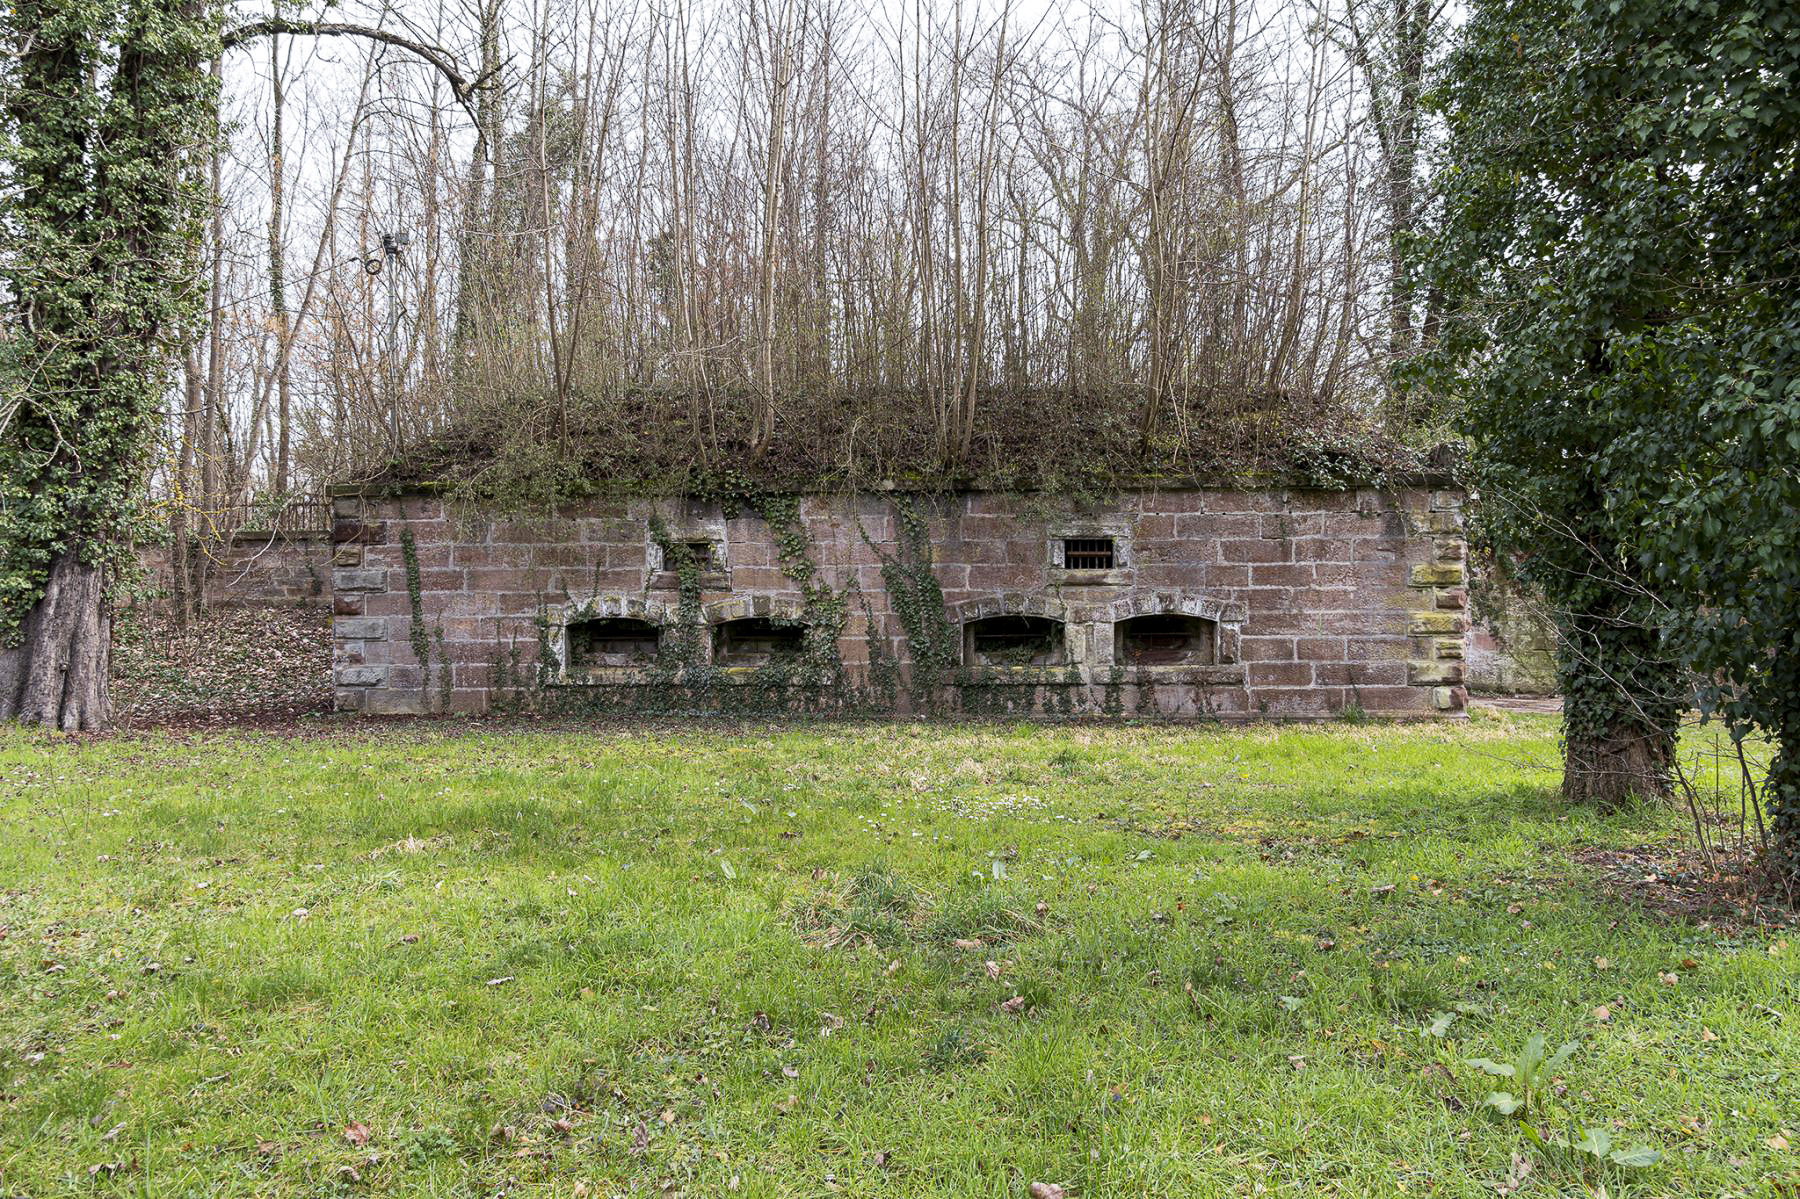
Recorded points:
(517, 457)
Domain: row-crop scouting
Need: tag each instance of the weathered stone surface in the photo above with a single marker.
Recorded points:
(1427, 623)
(1422, 673)
(360, 676)
(358, 579)
(359, 628)
(1437, 574)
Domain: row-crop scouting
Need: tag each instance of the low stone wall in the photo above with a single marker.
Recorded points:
(1277, 602)
(256, 570)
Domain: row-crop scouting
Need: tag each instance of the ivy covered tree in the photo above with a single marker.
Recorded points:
(1618, 243)
(105, 103)
(106, 109)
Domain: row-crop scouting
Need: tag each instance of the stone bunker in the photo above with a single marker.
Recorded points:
(1199, 602)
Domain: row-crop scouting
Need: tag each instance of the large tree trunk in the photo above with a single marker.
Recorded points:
(1613, 767)
(1622, 706)
(56, 675)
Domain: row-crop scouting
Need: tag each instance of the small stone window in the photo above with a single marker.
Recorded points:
(1013, 641)
(612, 641)
(704, 551)
(1089, 553)
(1166, 640)
(756, 640)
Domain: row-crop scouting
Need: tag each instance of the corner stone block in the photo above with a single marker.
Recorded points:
(1421, 674)
(361, 676)
(348, 529)
(1441, 574)
(363, 579)
(359, 628)
(1430, 624)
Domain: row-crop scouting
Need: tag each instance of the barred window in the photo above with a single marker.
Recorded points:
(1088, 553)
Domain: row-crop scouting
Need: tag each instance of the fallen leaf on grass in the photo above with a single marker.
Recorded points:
(993, 968)
(1667, 979)
(1777, 1142)
(1014, 1006)
(357, 1133)
(1603, 1013)
(965, 943)
(502, 980)
(1046, 1190)
(1707, 1034)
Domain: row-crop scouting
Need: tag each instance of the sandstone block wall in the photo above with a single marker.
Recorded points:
(1318, 601)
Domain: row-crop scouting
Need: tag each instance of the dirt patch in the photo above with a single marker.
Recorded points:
(1673, 881)
(231, 666)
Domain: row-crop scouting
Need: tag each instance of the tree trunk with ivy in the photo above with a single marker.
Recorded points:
(105, 106)
(56, 675)
(1621, 711)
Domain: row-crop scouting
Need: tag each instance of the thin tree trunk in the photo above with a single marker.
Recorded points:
(277, 276)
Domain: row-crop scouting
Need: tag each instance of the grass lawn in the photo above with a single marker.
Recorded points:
(862, 960)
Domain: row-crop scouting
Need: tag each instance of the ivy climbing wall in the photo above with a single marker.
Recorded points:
(1223, 603)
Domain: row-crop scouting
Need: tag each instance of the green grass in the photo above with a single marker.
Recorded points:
(734, 955)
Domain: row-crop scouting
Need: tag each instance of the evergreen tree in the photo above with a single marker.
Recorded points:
(1619, 243)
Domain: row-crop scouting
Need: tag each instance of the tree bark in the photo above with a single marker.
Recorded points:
(56, 675)
(1614, 767)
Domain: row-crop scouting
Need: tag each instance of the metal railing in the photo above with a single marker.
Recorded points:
(301, 516)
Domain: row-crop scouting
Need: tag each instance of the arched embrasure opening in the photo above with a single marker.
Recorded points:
(612, 641)
(1167, 639)
(755, 640)
(1013, 641)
